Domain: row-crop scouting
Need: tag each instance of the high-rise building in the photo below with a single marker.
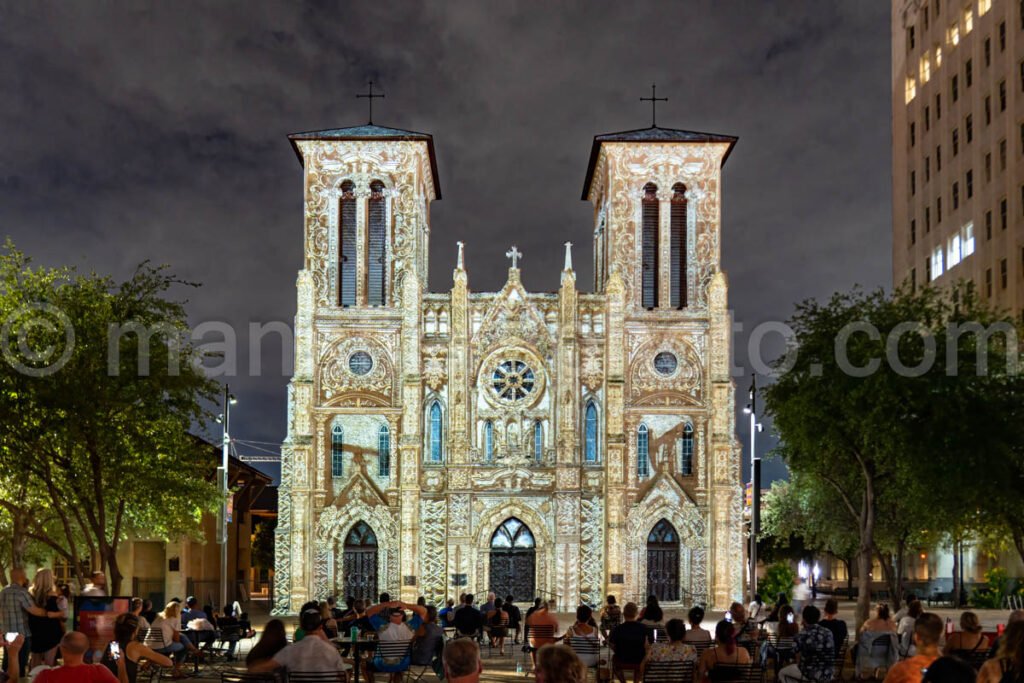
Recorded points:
(958, 145)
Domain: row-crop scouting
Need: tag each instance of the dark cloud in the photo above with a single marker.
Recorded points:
(157, 131)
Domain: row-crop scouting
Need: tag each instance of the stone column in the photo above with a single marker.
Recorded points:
(614, 436)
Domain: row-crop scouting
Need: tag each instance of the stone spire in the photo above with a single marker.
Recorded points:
(568, 256)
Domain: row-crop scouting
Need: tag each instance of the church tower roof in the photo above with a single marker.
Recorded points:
(372, 132)
(652, 134)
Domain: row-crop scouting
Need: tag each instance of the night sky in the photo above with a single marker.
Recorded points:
(135, 131)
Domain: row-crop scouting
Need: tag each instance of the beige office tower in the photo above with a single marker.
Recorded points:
(958, 140)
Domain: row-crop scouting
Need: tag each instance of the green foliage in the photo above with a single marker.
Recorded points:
(885, 446)
(992, 595)
(105, 415)
(778, 578)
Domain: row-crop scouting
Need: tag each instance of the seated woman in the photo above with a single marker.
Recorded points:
(174, 643)
(905, 629)
(610, 616)
(651, 616)
(329, 623)
(968, 640)
(582, 634)
(270, 643)
(497, 624)
(782, 600)
(696, 634)
(877, 647)
(1008, 664)
(130, 650)
(675, 650)
(715, 663)
(782, 648)
(428, 642)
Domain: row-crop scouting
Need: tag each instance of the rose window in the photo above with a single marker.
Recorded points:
(513, 380)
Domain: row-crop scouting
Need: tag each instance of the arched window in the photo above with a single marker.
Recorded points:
(436, 443)
(347, 245)
(643, 461)
(384, 451)
(677, 246)
(686, 451)
(489, 441)
(590, 433)
(337, 452)
(538, 441)
(378, 248)
(649, 247)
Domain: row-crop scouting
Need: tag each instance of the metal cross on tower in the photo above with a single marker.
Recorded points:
(370, 95)
(515, 255)
(654, 103)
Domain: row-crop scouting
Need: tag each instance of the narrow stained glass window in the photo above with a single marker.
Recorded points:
(590, 435)
(643, 462)
(337, 452)
(384, 451)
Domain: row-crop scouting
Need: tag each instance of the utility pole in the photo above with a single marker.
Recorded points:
(755, 483)
(222, 481)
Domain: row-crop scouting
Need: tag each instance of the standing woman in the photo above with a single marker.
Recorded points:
(46, 631)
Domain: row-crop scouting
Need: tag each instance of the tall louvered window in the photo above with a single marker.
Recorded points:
(337, 451)
(649, 267)
(643, 459)
(489, 441)
(347, 245)
(384, 451)
(378, 251)
(677, 246)
(590, 433)
(435, 432)
(686, 451)
(538, 441)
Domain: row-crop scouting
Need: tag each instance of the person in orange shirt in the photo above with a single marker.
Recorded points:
(927, 633)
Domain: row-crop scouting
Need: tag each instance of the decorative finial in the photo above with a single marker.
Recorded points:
(568, 256)
(654, 102)
(515, 255)
(459, 263)
(370, 95)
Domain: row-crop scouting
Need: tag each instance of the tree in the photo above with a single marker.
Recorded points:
(874, 414)
(802, 512)
(100, 389)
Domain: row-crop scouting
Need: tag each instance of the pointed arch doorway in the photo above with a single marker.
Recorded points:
(359, 562)
(663, 562)
(513, 560)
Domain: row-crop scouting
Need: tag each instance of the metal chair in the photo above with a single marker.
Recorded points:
(242, 677)
(586, 648)
(840, 661)
(392, 656)
(317, 676)
(740, 673)
(669, 672)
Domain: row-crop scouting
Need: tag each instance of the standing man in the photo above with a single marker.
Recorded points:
(15, 606)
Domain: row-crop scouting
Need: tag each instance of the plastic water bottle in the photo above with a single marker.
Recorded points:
(949, 626)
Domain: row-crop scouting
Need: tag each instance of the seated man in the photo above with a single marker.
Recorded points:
(815, 650)
(394, 630)
(468, 621)
(462, 662)
(927, 633)
(73, 647)
(542, 626)
(197, 624)
(629, 641)
(314, 653)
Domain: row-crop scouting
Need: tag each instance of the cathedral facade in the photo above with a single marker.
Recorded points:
(566, 445)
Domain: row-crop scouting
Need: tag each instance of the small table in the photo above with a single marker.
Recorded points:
(362, 644)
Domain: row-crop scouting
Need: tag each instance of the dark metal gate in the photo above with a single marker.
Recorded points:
(663, 562)
(513, 558)
(359, 564)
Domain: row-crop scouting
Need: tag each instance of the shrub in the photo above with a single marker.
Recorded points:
(778, 578)
(996, 590)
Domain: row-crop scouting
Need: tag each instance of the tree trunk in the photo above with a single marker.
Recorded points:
(956, 573)
(901, 566)
(885, 561)
(848, 561)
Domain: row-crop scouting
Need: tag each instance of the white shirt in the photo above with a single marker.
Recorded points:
(168, 627)
(395, 632)
(312, 653)
(93, 591)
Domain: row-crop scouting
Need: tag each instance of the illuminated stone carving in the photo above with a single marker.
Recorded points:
(463, 409)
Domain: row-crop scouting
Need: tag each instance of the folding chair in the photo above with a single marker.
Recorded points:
(416, 672)
(242, 677)
(317, 676)
(587, 648)
(391, 656)
(840, 661)
(669, 672)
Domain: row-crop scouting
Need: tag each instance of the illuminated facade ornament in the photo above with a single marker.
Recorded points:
(492, 440)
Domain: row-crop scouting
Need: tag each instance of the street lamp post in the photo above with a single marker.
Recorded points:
(755, 483)
(222, 481)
